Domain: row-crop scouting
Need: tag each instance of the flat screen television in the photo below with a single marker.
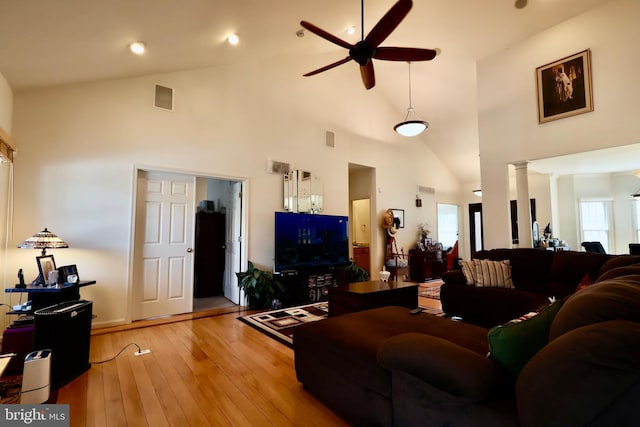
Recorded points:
(310, 241)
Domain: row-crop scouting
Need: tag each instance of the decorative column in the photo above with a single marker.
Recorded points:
(524, 208)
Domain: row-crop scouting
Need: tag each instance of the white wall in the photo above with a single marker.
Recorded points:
(6, 105)
(508, 127)
(80, 143)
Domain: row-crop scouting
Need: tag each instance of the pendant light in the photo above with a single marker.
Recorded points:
(411, 127)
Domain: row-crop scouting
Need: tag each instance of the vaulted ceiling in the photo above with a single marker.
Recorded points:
(45, 43)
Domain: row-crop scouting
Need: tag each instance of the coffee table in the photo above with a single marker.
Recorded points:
(376, 293)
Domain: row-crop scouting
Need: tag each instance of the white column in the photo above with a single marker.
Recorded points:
(524, 207)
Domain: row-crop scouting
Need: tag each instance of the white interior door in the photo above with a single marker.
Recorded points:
(163, 272)
(234, 241)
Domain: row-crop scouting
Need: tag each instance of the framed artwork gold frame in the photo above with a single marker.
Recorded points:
(564, 87)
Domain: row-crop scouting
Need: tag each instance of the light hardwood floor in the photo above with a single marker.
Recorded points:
(202, 371)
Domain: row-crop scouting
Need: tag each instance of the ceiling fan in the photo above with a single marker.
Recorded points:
(368, 47)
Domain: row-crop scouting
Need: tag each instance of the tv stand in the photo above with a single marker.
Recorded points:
(310, 285)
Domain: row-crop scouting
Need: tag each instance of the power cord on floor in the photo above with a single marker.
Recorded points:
(140, 352)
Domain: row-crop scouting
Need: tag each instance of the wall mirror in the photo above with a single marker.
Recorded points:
(302, 192)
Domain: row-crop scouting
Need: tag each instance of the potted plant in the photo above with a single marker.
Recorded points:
(357, 273)
(260, 287)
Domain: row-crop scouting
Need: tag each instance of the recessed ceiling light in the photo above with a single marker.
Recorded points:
(233, 39)
(351, 30)
(137, 48)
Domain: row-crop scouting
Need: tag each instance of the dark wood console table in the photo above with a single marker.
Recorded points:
(425, 265)
(365, 295)
(44, 296)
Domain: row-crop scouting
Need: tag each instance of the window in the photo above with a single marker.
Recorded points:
(595, 222)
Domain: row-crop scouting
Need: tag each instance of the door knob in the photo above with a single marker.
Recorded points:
(189, 250)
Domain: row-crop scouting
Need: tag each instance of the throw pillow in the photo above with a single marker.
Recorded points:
(512, 345)
(495, 274)
(586, 281)
(469, 271)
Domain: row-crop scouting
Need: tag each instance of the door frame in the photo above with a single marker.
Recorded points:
(137, 169)
(473, 209)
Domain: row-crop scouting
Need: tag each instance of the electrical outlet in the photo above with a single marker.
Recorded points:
(141, 352)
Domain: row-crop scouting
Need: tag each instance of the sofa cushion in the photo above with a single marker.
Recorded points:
(493, 274)
(619, 271)
(349, 343)
(529, 267)
(617, 261)
(569, 267)
(617, 298)
(440, 363)
(588, 376)
(512, 345)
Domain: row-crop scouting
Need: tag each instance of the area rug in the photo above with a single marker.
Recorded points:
(279, 324)
(430, 290)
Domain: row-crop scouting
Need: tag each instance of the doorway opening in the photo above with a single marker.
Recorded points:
(172, 252)
(361, 216)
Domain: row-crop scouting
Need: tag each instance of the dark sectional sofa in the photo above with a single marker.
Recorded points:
(537, 275)
(386, 367)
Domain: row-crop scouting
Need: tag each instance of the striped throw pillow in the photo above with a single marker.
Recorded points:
(469, 271)
(493, 274)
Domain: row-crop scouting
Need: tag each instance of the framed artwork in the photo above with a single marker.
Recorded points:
(46, 264)
(564, 87)
(398, 218)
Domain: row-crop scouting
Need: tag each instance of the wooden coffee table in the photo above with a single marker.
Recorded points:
(365, 295)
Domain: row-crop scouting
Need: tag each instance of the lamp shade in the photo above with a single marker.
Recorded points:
(44, 240)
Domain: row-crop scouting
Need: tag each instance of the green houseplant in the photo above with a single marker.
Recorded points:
(260, 286)
(357, 273)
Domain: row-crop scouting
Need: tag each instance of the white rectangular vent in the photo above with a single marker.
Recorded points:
(164, 97)
(330, 139)
(280, 168)
(426, 190)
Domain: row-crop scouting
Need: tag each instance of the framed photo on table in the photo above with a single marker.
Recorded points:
(46, 264)
(564, 87)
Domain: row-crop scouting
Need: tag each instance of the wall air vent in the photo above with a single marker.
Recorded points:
(426, 190)
(330, 139)
(164, 97)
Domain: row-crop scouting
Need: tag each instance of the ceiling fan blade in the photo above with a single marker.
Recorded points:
(325, 35)
(388, 22)
(328, 67)
(404, 54)
(368, 76)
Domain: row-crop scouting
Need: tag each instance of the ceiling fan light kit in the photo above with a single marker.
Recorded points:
(411, 127)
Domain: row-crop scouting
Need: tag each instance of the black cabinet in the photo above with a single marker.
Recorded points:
(209, 254)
